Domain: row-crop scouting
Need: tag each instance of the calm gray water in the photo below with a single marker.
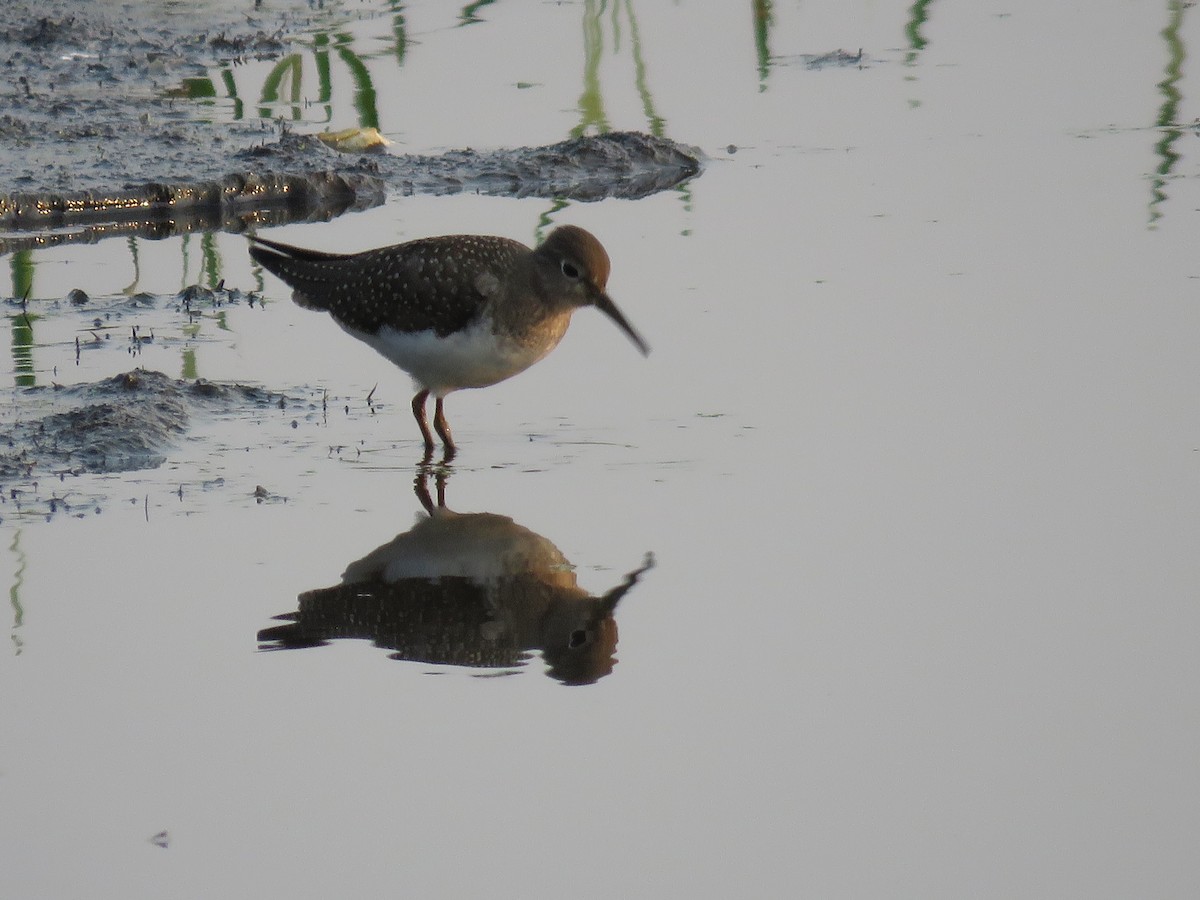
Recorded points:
(915, 455)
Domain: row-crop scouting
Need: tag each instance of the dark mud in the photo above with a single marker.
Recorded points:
(122, 424)
(291, 180)
(97, 140)
(88, 99)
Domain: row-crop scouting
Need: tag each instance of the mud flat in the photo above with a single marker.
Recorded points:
(121, 424)
(95, 140)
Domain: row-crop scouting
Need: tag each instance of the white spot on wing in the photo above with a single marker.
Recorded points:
(487, 284)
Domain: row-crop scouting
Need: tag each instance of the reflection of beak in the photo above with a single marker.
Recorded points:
(604, 303)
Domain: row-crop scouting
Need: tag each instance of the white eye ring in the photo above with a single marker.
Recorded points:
(569, 270)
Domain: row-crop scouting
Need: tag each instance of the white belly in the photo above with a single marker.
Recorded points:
(473, 358)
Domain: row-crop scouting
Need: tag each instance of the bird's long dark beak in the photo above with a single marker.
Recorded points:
(604, 303)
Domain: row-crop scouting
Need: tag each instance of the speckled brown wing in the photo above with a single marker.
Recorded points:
(433, 283)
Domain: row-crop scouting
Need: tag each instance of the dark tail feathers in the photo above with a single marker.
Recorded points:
(307, 272)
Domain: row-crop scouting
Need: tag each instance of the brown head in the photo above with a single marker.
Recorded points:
(574, 268)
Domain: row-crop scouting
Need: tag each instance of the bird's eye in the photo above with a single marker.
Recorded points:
(569, 270)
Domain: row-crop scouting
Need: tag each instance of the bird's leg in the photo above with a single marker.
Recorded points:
(443, 428)
(418, 408)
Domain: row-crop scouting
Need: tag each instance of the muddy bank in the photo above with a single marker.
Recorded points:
(298, 178)
(122, 424)
(90, 95)
(98, 136)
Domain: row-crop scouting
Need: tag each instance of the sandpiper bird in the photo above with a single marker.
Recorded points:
(459, 311)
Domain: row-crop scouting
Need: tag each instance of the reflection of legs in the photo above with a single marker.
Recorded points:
(421, 486)
(418, 408)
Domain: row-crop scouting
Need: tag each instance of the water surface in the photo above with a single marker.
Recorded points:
(915, 456)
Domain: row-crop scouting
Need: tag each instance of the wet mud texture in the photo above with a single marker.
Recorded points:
(122, 424)
(92, 136)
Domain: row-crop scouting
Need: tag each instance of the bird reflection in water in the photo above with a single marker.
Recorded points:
(464, 589)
